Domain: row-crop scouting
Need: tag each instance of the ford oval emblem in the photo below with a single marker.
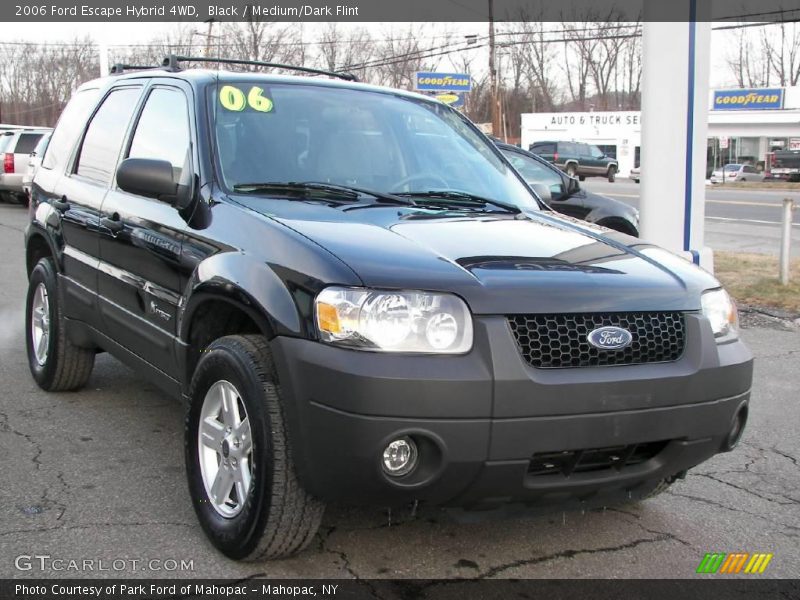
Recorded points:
(610, 338)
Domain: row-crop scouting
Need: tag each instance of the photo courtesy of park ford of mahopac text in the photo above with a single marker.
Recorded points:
(366, 299)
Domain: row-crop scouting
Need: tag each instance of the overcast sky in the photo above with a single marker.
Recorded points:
(133, 33)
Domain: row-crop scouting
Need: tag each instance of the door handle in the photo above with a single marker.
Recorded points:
(112, 223)
(61, 205)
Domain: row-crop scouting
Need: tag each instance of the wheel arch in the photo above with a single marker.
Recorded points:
(235, 294)
(610, 221)
(38, 246)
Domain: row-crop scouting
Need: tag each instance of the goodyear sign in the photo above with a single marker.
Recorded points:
(757, 99)
(442, 82)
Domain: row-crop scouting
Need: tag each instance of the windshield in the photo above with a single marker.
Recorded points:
(732, 167)
(388, 143)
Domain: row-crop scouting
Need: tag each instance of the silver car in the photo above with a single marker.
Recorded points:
(34, 160)
(736, 172)
(15, 148)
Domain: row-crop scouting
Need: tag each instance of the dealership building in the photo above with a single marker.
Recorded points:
(744, 126)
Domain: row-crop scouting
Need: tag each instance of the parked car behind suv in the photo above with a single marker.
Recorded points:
(34, 160)
(736, 172)
(565, 195)
(17, 146)
(577, 159)
(359, 300)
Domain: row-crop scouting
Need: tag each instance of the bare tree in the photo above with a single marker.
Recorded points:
(745, 59)
(782, 52)
(533, 59)
(338, 48)
(37, 80)
(631, 69)
(262, 41)
(599, 43)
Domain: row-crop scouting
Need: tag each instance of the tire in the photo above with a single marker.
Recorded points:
(572, 170)
(612, 174)
(58, 365)
(581, 177)
(277, 517)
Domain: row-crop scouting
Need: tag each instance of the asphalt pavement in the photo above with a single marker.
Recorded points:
(736, 219)
(97, 475)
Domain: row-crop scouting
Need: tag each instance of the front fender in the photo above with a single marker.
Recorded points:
(252, 285)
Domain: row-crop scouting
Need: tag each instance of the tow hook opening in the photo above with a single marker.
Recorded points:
(737, 429)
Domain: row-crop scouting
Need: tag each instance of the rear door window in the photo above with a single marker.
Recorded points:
(103, 140)
(27, 142)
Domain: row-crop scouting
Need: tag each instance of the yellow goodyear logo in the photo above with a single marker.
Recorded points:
(736, 562)
(445, 81)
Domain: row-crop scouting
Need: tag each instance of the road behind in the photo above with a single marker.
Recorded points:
(736, 220)
(98, 474)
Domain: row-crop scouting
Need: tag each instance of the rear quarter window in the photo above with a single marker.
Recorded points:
(69, 127)
(27, 142)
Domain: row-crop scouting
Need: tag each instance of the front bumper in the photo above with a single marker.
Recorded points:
(478, 419)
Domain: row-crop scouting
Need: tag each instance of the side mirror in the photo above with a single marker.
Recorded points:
(543, 191)
(147, 177)
(557, 191)
(156, 179)
(573, 185)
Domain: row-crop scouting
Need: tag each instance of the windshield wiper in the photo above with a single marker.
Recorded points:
(329, 189)
(464, 199)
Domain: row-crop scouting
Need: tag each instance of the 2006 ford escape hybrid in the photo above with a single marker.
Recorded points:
(360, 301)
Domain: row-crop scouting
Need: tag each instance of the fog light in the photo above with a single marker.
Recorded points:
(400, 457)
(737, 429)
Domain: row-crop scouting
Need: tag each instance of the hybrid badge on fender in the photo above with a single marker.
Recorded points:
(610, 338)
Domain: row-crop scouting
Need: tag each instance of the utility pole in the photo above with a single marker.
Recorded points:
(102, 49)
(493, 74)
(208, 37)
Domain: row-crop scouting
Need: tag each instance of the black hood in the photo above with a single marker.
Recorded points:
(499, 263)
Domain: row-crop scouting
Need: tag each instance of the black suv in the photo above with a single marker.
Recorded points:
(359, 300)
(577, 159)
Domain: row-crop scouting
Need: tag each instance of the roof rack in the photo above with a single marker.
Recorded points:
(120, 68)
(171, 63)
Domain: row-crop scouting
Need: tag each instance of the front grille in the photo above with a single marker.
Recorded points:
(570, 462)
(558, 341)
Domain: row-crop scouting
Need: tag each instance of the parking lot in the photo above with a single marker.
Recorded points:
(98, 475)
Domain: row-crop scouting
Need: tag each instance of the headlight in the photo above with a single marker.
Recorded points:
(720, 310)
(393, 321)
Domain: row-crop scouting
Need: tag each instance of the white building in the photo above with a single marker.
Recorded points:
(744, 126)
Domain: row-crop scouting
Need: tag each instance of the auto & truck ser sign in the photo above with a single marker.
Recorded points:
(755, 99)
